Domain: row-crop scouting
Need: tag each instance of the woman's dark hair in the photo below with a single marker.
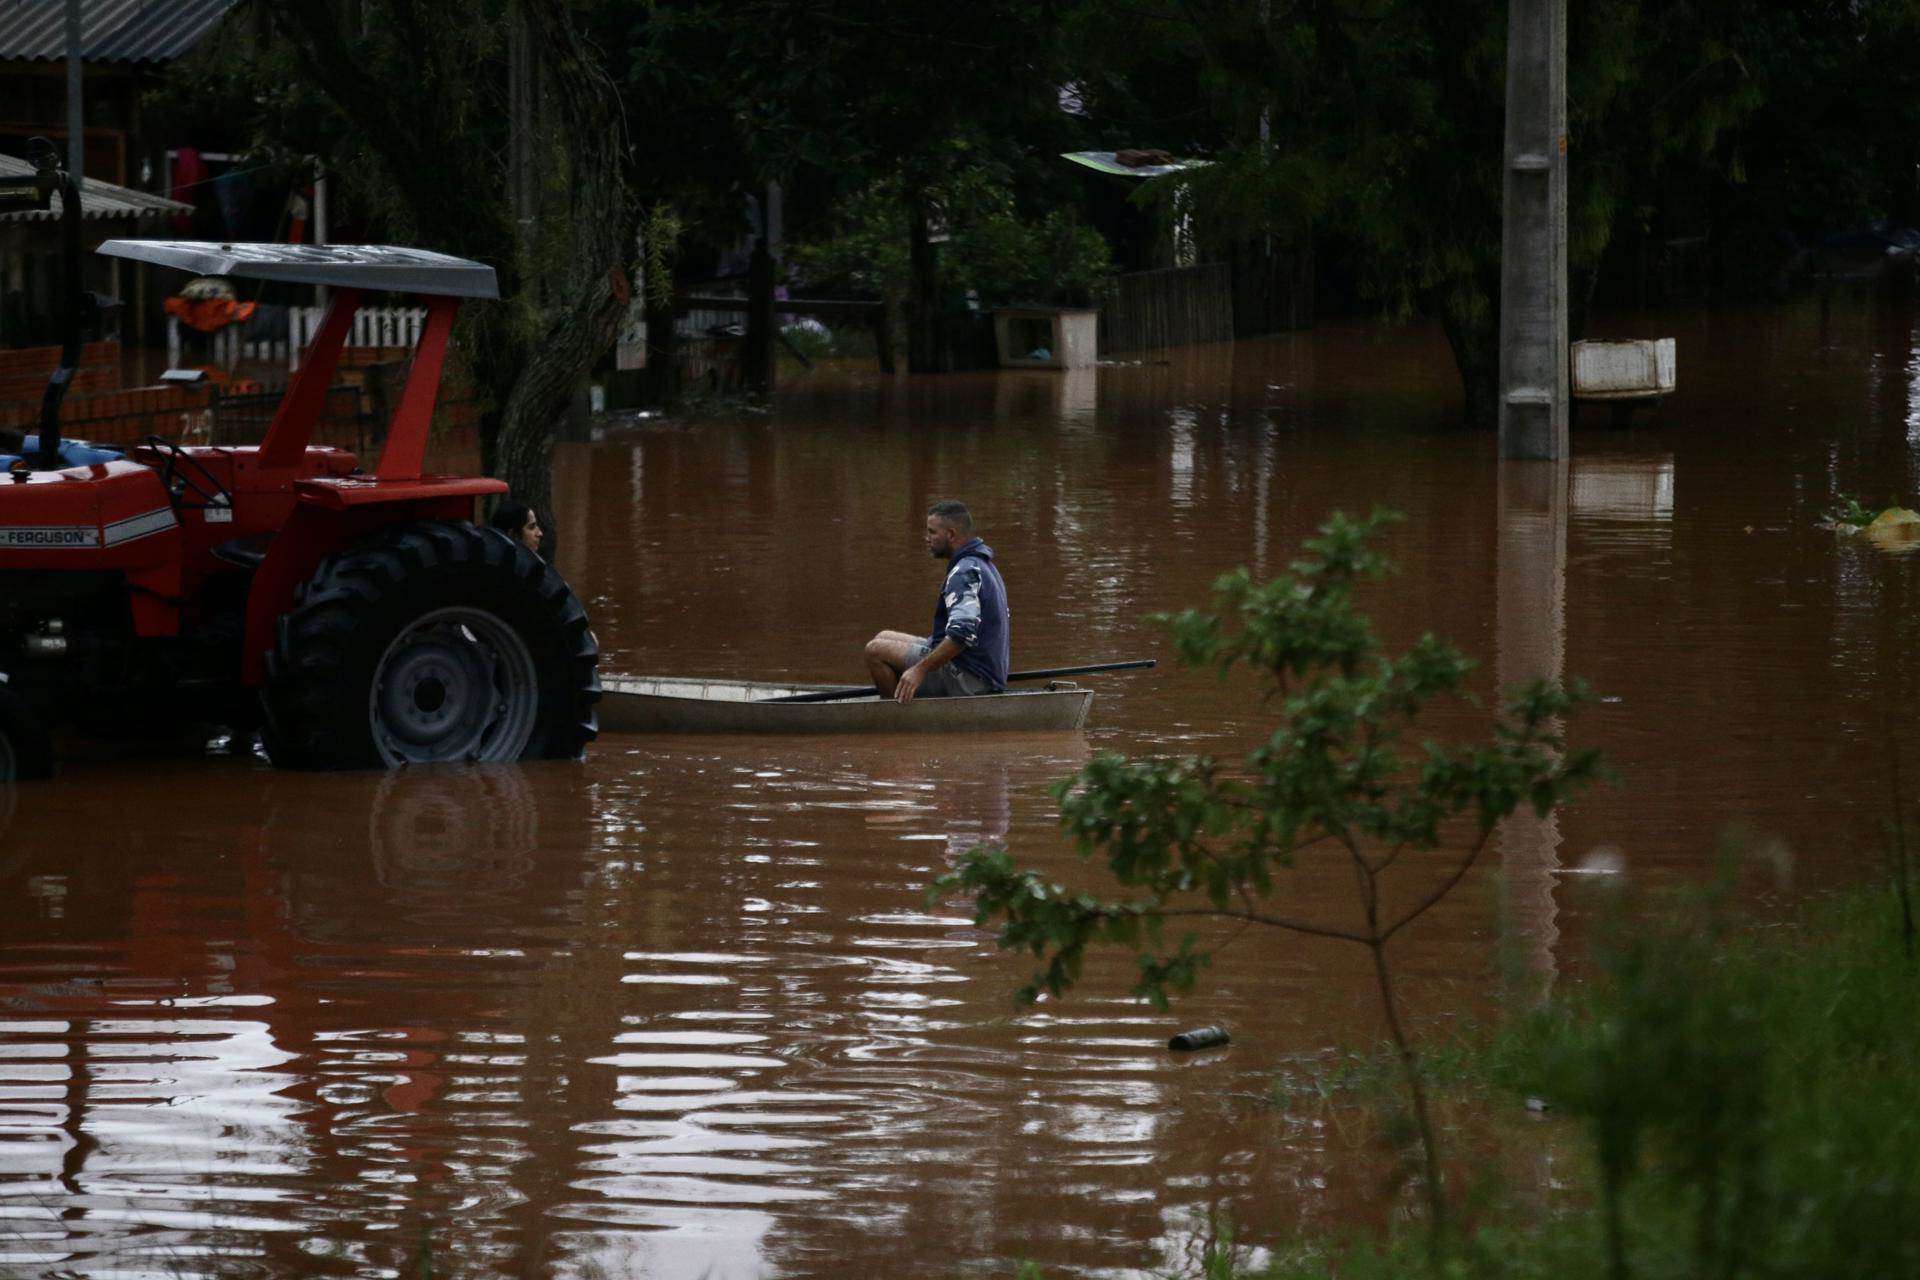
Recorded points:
(510, 518)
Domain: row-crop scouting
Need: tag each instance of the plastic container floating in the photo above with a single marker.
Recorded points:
(1199, 1038)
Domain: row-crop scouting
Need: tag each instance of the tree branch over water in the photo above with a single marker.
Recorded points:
(1188, 841)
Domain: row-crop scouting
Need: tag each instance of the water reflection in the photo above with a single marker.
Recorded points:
(1182, 424)
(1077, 401)
(1532, 515)
(1913, 403)
(463, 827)
(1632, 489)
(686, 1009)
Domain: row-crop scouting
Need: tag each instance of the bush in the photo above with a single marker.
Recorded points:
(992, 251)
(1749, 1102)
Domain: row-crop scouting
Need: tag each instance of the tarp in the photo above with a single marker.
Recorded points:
(1111, 162)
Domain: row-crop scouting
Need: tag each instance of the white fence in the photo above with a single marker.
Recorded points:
(372, 327)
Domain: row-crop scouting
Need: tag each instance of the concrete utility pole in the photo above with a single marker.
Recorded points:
(76, 133)
(1533, 253)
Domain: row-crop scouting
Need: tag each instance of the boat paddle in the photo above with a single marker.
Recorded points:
(1044, 673)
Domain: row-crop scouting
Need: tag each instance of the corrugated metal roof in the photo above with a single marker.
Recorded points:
(110, 30)
(98, 200)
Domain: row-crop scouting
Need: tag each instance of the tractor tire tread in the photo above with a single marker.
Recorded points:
(319, 668)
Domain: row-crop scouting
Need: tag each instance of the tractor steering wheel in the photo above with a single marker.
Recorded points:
(178, 460)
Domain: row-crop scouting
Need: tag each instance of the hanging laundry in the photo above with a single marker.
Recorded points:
(233, 190)
(208, 305)
(299, 209)
(189, 171)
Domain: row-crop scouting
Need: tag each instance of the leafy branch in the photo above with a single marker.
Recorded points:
(1186, 838)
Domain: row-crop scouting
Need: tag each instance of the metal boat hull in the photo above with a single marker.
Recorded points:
(663, 704)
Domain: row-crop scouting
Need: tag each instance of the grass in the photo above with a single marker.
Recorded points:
(1748, 1105)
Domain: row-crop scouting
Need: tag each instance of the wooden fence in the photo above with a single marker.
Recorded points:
(198, 413)
(24, 371)
(380, 328)
(1169, 308)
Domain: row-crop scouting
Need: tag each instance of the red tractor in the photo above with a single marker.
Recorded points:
(358, 618)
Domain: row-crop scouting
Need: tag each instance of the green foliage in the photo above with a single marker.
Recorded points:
(1187, 837)
(1055, 260)
(660, 231)
(1372, 128)
(1347, 1076)
(1848, 511)
(868, 255)
(993, 251)
(1670, 1054)
(1749, 1100)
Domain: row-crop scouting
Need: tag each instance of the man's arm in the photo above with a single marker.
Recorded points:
(910, 680)
(963, 629)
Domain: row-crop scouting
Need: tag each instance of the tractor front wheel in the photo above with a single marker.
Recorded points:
(433, 642)
(25, 753)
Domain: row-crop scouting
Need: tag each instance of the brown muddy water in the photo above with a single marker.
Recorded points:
(683, 1010)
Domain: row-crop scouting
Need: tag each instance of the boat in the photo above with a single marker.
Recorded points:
(683, 704)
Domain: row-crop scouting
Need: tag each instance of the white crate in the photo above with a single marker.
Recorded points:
(1624, 370)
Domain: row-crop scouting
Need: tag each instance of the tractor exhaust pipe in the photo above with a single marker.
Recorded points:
(47, 457)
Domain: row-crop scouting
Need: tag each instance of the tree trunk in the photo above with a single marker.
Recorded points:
(925, 349)
(588, 239)
(548, 370)
(562, 271)
(663, 361)
(759, 352)
(883, 329)
(1473, 332)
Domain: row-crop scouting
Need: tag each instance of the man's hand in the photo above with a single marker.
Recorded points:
(910, 682)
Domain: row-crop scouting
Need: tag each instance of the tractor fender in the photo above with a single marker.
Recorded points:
(322, 524)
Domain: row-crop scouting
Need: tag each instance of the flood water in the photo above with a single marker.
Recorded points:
(684, 1010)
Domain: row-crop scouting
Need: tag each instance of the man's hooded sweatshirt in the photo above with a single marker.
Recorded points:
(972, 610)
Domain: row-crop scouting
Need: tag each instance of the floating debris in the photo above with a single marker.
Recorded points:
(1199, 1038)
(1895, 529)
(1892, 529)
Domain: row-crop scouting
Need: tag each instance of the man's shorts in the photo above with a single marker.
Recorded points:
(949, 681)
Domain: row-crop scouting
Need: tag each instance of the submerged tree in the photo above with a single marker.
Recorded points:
(859, 103)
(1374, 129)
(491, 131)
(1187, 839)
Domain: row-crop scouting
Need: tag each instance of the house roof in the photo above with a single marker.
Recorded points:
(98, 200)
(110, 30)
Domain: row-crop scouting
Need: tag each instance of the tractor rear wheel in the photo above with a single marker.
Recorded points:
(431, 642)
(24, 750)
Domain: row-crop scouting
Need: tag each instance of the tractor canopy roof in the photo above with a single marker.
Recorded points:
(388, 268)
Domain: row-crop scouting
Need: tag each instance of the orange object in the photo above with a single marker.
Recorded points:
(209, 315)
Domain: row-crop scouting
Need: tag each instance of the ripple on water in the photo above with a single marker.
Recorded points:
(683, 1010)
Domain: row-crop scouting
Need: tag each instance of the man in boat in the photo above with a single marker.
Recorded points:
(967, 652)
